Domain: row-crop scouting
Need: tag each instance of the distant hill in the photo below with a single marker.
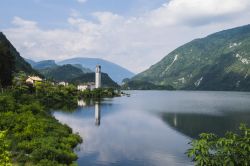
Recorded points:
(220, 61)
(61, 73)
(75, 75)
(44, 64)
(41, 65)
(116, 72)
(144, 85)
(11, 62)
(85, 70)
(31, 62)
(90, 77)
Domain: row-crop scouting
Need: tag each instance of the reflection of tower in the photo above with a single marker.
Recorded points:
(175, 120)
(98, 77)
(97, 114)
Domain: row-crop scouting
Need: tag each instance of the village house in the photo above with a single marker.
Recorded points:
(33, 79)
(63, 83)
(87, 86)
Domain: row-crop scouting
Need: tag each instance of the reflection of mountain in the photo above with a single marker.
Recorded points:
(194, 124)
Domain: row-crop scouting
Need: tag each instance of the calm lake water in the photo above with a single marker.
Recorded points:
(152, 127)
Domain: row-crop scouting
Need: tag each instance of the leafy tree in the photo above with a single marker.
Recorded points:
(233, 149)
(6, 103)
(7, 65)
(5, 159)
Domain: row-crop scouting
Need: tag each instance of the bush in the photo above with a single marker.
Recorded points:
(6, 103)
(4, 153)
(34, 136)
(233, 149)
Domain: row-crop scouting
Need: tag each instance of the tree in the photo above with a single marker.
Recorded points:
(5, 159)
(7, 66)
(233, 149)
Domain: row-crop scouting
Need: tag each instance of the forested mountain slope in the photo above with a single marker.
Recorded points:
(220, 61)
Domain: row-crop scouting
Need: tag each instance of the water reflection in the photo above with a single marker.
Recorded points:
(88, 105)
(152, 127)
(192, 125)
(97, 114)
(81, 103)
(126, 138)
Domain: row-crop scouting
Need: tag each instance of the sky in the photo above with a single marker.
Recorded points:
(132, 33)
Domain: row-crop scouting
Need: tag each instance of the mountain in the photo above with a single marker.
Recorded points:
(220, 61)
(44, 64)
(11, 62)
(61, 73)
(85, 70)
(144, 85)
(90, 77)
(31, 62)
(75, 75)
(41, 64)
(116, 72)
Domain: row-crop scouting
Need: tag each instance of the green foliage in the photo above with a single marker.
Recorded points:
(6, 103)
(217, 62)
(52, 95)
(36, 137)
(5, 155)
(98, 93)
(233, 149)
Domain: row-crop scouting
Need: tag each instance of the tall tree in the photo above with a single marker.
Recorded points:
(7, 66)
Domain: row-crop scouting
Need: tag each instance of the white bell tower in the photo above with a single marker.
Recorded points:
(98, 77)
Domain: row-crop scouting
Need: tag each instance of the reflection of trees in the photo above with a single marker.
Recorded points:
(88, 102)
(194, 124)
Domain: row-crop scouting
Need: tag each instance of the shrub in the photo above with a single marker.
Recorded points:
(4, 153)
(233, 149)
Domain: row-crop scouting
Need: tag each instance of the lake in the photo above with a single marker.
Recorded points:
(152, 127)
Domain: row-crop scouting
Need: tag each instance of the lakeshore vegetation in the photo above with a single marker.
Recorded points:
(30, 135)
(233, 149)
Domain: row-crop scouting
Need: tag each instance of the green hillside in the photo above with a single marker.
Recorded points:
(61, 73)
(90, 77)
(43, 64)
(220, 61)
(11, 62)
(75, 75)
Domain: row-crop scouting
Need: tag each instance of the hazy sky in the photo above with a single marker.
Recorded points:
(132, 33)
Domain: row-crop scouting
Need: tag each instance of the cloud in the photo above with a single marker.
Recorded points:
(24, 23)
(197, 12)
(81, 1)
(133, 42)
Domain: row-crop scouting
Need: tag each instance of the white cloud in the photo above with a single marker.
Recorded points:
(81, 1)
(197, 12)
(134, 42)
(24, 23)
